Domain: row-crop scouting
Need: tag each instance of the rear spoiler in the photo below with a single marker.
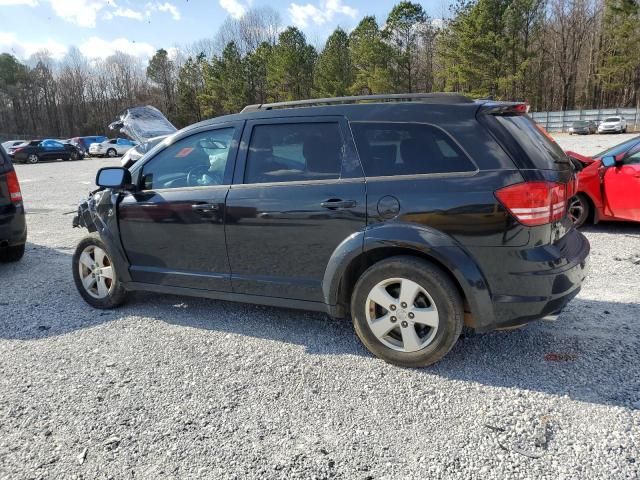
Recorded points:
(504, 108)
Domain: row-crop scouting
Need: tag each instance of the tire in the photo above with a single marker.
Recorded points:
(32, 159)
(102, 291)
(111, 153)
(74, 156)
(409, 342)
(579, 210)
(12, 254)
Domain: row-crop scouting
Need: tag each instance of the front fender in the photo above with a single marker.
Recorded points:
(412, 239)
(98, 214)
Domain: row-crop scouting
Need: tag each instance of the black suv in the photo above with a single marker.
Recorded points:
(413, 214)
(13, 227)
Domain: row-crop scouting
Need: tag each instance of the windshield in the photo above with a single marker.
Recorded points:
(581, 123)
(612, 119)
(539, 146)
(618, 149)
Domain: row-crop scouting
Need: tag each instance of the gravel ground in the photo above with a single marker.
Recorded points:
(172, 387)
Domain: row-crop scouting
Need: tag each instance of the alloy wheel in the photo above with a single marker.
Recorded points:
(111, 153)
(576, 210)
(96, 272)
(402, 315)
(33, 158)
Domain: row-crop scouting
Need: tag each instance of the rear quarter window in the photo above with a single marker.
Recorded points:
(537, 144)
(391, 149)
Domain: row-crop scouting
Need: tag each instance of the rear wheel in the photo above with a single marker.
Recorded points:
(407, 311)
(579, 210)
(95, 275)
(12, 254)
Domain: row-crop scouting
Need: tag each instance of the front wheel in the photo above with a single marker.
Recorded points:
(579, 210)
(95, 275)
(33, 158)
(407, 311)
(111, 153)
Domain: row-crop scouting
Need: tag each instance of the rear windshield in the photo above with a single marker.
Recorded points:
(543, 151)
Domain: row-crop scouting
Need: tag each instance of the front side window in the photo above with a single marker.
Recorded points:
(389, 149)
(196, 161)
(294, 152)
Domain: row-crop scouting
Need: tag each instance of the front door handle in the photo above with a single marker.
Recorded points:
(205, 207)
(334, 204)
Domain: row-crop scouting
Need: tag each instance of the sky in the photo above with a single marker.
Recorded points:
(139, 27)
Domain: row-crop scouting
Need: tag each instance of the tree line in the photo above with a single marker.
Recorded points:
(555, 54)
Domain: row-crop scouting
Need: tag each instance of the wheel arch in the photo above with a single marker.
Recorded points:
(364, 249)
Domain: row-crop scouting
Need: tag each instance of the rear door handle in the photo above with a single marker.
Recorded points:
(334, 204)
(205, 207)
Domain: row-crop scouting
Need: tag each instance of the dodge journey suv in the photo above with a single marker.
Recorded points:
(411, 214)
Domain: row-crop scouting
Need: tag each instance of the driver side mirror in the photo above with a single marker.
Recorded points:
(113, 177)
(608, 161)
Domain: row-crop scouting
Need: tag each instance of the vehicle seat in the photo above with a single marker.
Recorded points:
(260, 158)
(321, 157)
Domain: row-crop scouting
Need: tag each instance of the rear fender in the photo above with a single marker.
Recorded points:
(418, 240)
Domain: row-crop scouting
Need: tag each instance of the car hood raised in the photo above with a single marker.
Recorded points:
(143, 123)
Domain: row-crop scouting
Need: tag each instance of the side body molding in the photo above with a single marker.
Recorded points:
(417, 239)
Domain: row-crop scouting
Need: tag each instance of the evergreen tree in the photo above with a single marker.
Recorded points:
(161, 71)
(225, 88)
(402, 32)
(334, 70)
(621, 30)
(290, 71)
(371, 59)
(256, 63)
(190, 84)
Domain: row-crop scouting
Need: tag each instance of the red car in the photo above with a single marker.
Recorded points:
(608, 184)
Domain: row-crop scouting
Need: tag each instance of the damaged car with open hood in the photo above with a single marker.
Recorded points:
(147, 126)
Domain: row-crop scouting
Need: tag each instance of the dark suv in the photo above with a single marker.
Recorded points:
(413, 214)
(13, 227)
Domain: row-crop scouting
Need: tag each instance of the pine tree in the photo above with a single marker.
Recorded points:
(334, 69)
(290, 71)
(371, 59)
(621, 70)
(402, 31)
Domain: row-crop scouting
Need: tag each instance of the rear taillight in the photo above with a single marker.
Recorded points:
(534, 203)
(14, 187)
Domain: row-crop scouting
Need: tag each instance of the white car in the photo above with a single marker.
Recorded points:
(11, 143)
(614, 124)
(114, 147)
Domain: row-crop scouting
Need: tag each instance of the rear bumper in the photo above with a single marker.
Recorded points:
(13, 226)
(533, 283)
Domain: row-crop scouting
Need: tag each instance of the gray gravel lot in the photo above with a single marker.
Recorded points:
(172, 387)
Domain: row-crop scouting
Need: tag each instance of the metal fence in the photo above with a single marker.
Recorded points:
(561, 121)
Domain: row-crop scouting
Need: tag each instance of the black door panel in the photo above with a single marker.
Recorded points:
(281, 234)
(171, 239)
(280, 237)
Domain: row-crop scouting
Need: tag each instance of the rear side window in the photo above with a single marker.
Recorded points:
(294, 152)
(389, 149)
(543, 151)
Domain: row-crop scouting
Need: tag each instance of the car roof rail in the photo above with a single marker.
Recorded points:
(440, 98)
